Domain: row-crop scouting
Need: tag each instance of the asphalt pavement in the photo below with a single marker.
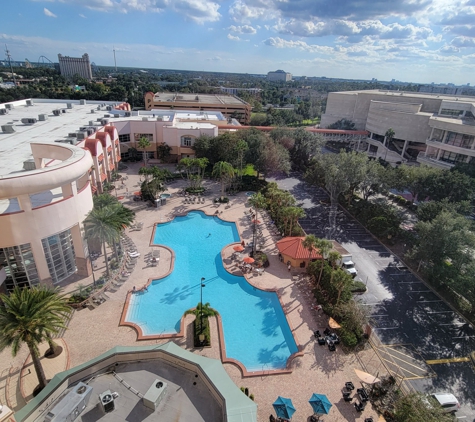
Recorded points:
(412, 321)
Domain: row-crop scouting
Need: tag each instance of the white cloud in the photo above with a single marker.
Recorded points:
(233, 38)
(244, 29)
(49, 13)
(82, 16)
(199, 11)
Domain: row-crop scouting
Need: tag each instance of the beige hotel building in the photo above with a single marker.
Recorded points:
(436, 130)
(54, 155)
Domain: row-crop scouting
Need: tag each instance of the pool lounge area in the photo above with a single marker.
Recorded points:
(254, 330)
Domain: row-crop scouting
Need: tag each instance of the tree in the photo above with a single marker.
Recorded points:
(258, 201)
(272, 157)
(194, 169)
(143, 144)
(416, 407)
(225, 172)
(306, 145)
(310, 243)
(29, 316)
(388, 136)
(103, 224)
(241, 148)
(325, 246)
(342, 124)
(372, 179)
(206, 311)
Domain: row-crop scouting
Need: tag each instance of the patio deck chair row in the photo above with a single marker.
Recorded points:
(136, 227)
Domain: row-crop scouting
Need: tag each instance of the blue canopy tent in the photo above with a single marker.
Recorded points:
(320, 404)
(284, 408)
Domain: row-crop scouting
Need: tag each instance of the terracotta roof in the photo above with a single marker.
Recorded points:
(91, 145)
(293, 247)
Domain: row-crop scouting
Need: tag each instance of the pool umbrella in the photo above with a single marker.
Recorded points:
(320, 404)
(366, 378)
(238, 248)
(248, 260)
(333, 324)
(283, 408)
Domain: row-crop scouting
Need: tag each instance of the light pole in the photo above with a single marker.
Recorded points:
(201, 304)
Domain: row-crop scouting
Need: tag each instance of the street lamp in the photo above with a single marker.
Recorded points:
(201, 304)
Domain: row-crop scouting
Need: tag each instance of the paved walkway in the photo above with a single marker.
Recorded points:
(92, 332)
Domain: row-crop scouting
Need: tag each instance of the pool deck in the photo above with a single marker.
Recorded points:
(315, 370)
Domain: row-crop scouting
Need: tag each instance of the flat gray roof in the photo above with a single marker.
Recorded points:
(15, 147)
(198, 98)
(462, 98)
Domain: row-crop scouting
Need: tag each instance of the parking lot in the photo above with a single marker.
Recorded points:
(413, 322)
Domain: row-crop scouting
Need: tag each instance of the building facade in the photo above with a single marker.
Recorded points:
(70, 66)
(229, 105)
(46, 186)
(279, 76)
(436, 130)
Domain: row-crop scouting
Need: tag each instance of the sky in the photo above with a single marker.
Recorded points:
(420, 41)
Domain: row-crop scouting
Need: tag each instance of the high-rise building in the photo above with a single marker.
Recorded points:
(70, 66)
(279, 76)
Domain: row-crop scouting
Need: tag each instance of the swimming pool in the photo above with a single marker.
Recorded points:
(256, 332)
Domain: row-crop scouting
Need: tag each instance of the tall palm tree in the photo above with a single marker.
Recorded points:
(309, 243)
(103, 224)
(143, 144)
(257, 201)
(325, 247)
(225, 172)
(29, 316)
(389, 135)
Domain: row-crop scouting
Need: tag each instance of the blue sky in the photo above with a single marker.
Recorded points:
(409, 40)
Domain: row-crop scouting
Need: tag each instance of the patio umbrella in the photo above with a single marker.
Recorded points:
(366, 378)
(320, 404)
(248, 260)
(238, 248)
(283, 408)
(333, 324)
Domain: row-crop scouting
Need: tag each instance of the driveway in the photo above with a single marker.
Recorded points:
(413, 324)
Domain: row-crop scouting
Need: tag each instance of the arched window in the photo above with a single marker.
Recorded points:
(187, 141)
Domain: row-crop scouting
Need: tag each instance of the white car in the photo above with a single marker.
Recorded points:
(447, 401)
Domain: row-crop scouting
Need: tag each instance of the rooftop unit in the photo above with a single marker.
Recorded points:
(8, 129)
(29, 164)
(3, 111)
(10, 106)
(28, 121)
(57, 112)
(82, 135)
(70, 105)
(29, 103)
(82, 102)
(42, 117)
(71, 405)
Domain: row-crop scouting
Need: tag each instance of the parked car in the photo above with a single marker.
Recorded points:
(447, 401)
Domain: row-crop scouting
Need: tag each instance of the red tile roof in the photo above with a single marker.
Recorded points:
(293, 247)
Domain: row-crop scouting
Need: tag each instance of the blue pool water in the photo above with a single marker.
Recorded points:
(256, 332)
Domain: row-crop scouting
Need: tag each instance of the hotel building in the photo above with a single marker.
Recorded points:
(229, 105)
(70, 66)
(55, 155)
(437, 130)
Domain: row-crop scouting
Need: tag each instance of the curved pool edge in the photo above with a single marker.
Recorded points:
(243, 369)
(222, 347)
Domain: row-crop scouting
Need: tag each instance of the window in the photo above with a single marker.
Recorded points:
(149, 136)
(459, 140)
(186, 141)
(452, 157)
(124, 138)
(19, 265)
(60, 257)
(450, 112)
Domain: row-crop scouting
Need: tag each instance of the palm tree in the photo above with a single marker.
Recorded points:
(325, 247)
(207, 310)
(103, 224)
(29, 316)
(223, 171)
(143, 144)
(309, 243)
(258, 201)
(241, 148)
(389, 135)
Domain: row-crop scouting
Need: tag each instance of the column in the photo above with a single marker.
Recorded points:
(404, 148)
(439, 153)
(40, 262)
(83, 262)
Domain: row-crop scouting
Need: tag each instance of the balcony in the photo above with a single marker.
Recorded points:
(431, 160)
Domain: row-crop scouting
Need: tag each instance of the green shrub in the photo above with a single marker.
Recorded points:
(348, 338)
(251, 397)
(197, 332)
(358, 287)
